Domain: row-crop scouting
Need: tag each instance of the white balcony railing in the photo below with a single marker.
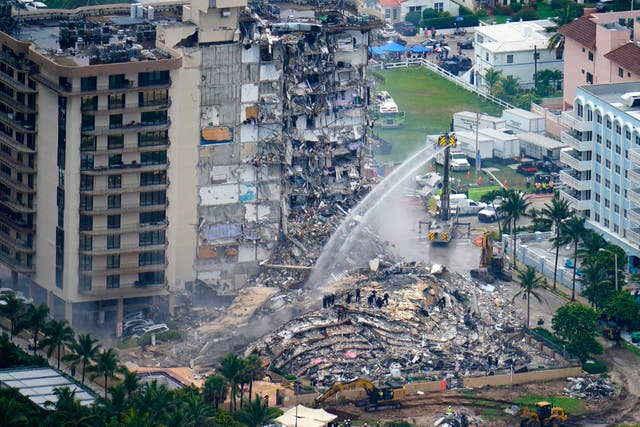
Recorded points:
(574, 182)
(568, 158)
(570, 120)
(576, 203)
(573, 142)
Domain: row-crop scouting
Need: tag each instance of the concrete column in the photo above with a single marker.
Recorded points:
(50, 300)
(68, 312)
(14, 279)
(120, 310)
(172, 303)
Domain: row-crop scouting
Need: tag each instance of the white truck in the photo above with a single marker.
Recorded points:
(462, 205)
(457, 161)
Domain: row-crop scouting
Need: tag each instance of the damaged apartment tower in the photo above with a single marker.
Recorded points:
(184, 137)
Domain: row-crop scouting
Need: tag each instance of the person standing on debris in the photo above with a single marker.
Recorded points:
(449, 410)
(386, 298)
(324, 301)
(358, 295)
(379, 302)
(348, 299)
(370, 300)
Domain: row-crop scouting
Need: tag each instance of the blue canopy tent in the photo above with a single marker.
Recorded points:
(393, 48)
(375, 50)
(419, 49)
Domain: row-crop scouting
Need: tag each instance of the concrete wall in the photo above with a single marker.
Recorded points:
(526, 377)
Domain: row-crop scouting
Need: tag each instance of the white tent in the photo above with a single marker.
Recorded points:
(305, 417)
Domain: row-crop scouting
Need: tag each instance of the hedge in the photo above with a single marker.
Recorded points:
(449, 22)
(594, 367)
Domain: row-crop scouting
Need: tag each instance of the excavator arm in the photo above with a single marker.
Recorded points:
(351, 385)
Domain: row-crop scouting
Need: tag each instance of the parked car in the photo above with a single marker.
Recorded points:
(488, 214)
(464, 62)
(405, 28)
(466, 43)
(400, 41)
(528, 167)
(451, 66)
(388, 31)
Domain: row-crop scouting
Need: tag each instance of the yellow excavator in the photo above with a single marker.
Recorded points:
(544, 415)
(491, 263)
(380, 398)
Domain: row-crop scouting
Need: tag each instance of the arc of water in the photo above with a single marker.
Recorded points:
(343, 238)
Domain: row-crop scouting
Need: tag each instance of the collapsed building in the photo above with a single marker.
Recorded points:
(196, 141)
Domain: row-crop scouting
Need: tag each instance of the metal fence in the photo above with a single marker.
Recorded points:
(424, 62)
(539, 258)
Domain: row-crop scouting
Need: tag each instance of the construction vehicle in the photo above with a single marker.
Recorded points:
(491, 263)
(442, 228)
(544, 415)
(389, 396)
(610, 330)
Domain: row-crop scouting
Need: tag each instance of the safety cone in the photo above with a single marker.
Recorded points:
(479, 180)
(469, 175)
(431, 167)
(505, 183)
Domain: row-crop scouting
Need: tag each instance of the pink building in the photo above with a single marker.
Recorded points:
(598, 49)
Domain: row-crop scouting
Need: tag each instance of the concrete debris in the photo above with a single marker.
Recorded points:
(513, 410)
(401, 319)
(456, 419)
(590, 387)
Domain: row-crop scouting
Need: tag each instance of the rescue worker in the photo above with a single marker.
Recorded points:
(449, 410)
(537, 187)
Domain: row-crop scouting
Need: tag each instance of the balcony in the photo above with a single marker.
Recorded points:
(132, 108)
(570, 120)
(633, 235)
(634, 155)
(634, 195)
(126, 128)
(18, 245)
(124, 249)
(15, 164)
(574, 200)
(21, 148)
(124, 168)
(571, 139)
(634, 215)
(19, 125)
(127, 228)
(15, 184)
(128, 290)
(164, 145)
(568, 157)
(15, 265)
(129, 188)
(574, 182)
(126, 269)
(130, 87)
(16, 224)
(16, 206)
(16, 105)
(15, 84)
(124, 209)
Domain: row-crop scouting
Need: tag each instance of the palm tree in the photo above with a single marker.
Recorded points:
(215, 390)
(509, 87)
(231, 367)
(529, 281)
(13, 309)
(491, 78)
(84, 351)
(572, 231)
(253, 370)
(196, 412)
(568, 14)
(514, 206)
(12, 412)
(597, 286)
(130, 381)
(154, 397)
(556, 213)
(589, 247)
(68, 411)
(57, 333)
(106, 366)
(35, 321)
(257, 413)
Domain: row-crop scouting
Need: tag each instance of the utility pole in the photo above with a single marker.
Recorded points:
(535, 66)
(478, 157)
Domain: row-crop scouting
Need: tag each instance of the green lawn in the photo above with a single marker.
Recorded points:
(429, 102)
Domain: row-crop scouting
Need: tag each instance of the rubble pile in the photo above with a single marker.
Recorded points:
(590, 387)
(428, 325)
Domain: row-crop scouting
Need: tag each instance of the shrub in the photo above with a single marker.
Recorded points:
(481, 13)
(464, 11)
(290, 377)
(414, 18)
(397, 424)
(170, 335)
(516, 7)
(594, 367)
(429, 13)
(526, 14)
(559, 4)
(502, 11)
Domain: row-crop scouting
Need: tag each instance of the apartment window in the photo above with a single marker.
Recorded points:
(616, 208)
(589, 78)
(115, 142)
(608, 143)
(86, 202)
(113, 281)
(86, 162)
(620, 72)
(153, 97)
(617, 169)
(113, 261)
(117, 81)
(637, 140)
(618, 149)
(88, 123)
(86, 183)
(117, 100)
(607, 163)
(509, 59)
(598, 158)
(151, 278)
(596, 217)
(84, 283)
(616, 229)
(486, 57)
(113, 241)
(415, 9)
(153, 158)
(616, 188)
(5, 169)
(618, 129)
(113, 221)
(151, 258)
(84, 262)
(149, 238)
(597, 197)
(387, 14)
(438, 7)
(153, 198)
(590, 56)
(153, 178)
(148, 118)
(579, 110)
(115, 121)
(88, 84)
(154, 78)
(115, 161)
(114, 201)
(559, 52)
(89, 103)
(85, 243)
(149, 139)
(606, 222)
(608, 123)
(607, 183)
(88, 143)
(114, 181)
(599, 118)
(154, 217)
(607, 203)
(627, 134)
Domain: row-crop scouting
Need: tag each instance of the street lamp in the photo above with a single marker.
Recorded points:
(478, 157)
(615, 263)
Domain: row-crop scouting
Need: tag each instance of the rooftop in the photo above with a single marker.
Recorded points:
(627, 56)
(515, 36)
(612, 94)
(38, 385)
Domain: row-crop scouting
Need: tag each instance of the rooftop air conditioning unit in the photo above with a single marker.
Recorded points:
(631, 99)
(225, 13)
